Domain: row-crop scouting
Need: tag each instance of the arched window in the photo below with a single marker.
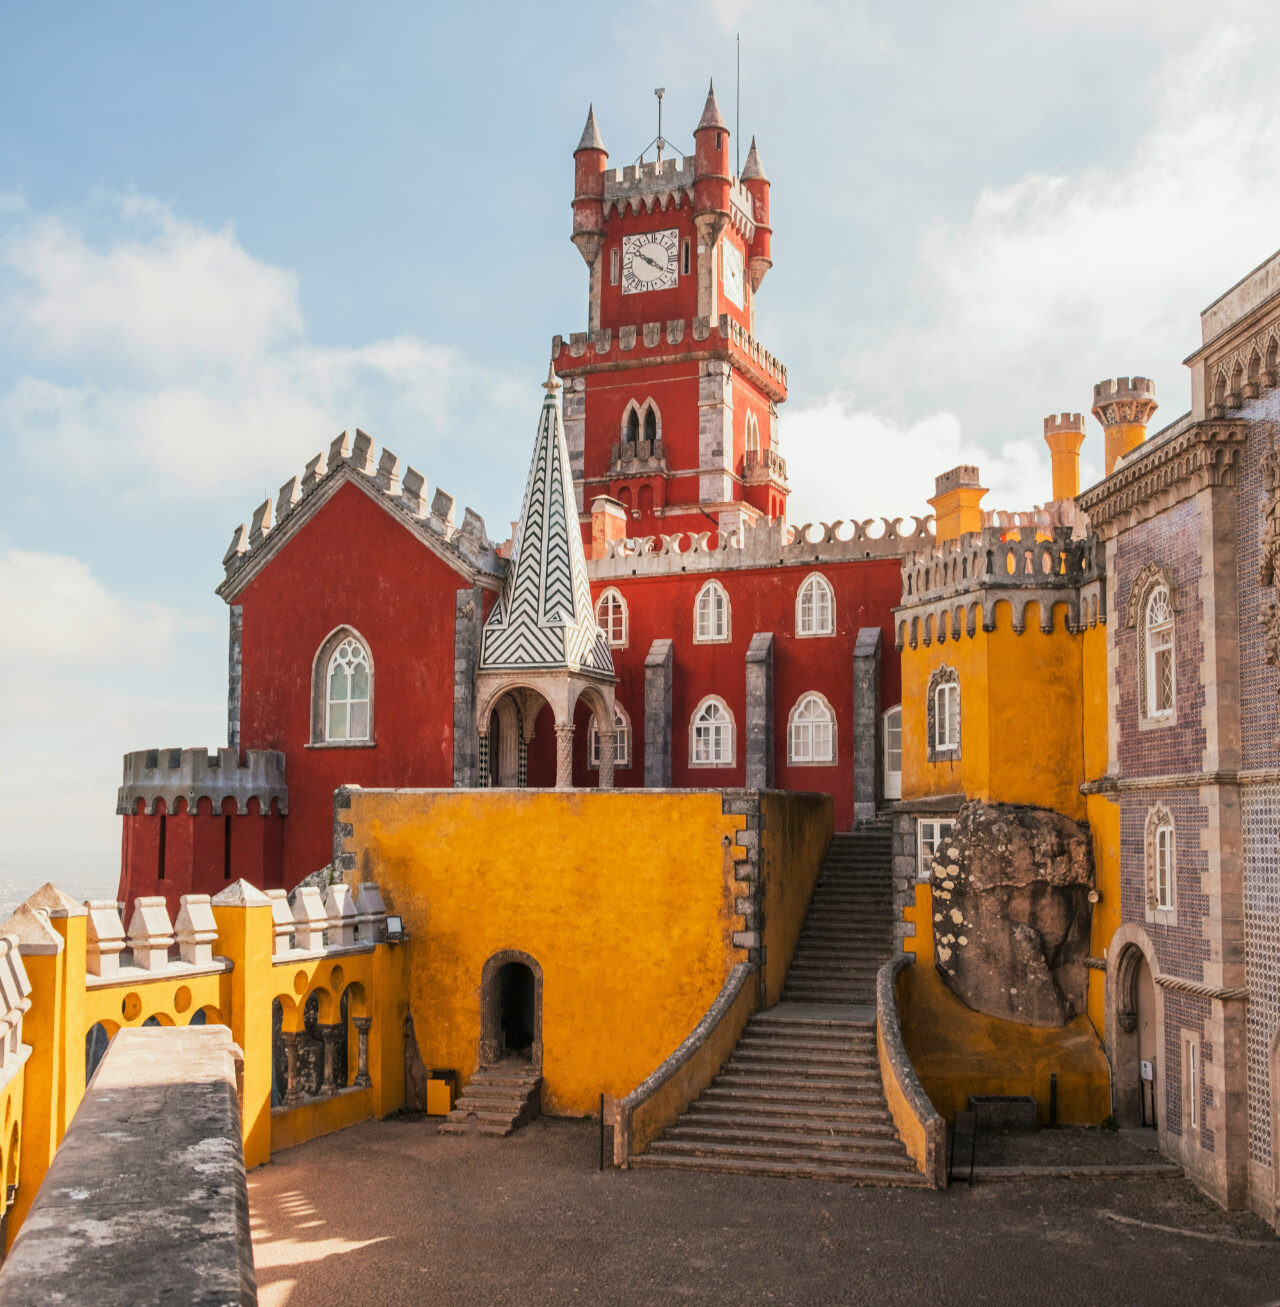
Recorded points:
(1161, 861)
(893, 752)
(641, 422)
(650, 423)
(711, 614)
(944, 715)
(633, 425)
(752, 445)
(711, 736)
(621, 740)
(1161, 689)
(811, 735)
(611, 617)
(816, 607)
(342, 691)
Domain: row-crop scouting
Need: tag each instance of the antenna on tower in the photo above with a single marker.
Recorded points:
(737, 111)
(660, 91)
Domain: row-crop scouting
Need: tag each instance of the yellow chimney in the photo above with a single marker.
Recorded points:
(1064, 434)
(956, 504)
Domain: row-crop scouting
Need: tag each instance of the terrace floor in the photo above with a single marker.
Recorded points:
(393, 1212)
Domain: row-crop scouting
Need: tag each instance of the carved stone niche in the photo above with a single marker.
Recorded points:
(1012, 914)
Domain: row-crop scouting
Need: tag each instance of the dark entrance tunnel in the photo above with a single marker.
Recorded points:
(516, 1009)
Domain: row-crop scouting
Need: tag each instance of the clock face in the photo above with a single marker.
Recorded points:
(650, 261)
(731, 262)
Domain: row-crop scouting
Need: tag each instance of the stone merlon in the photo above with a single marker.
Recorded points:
(195, 774)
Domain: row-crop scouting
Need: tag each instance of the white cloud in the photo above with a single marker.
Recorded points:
(844, 462)
(191, 365)
(57, 612)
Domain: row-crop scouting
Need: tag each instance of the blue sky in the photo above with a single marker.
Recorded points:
(226, 233)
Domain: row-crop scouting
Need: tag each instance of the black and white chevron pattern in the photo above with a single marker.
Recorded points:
(544, 617)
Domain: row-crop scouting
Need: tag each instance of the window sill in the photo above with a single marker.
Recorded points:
(815, 635)
(713, 639)
(341, 744)
(830, 762)
(713, 766)
(1157, 723)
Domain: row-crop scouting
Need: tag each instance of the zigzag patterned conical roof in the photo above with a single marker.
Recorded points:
(544, 619)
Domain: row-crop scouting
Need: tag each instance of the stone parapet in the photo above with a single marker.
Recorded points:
(195, 774)
(762, 544)
(667, 183)
(696, 338)
(161, 1189)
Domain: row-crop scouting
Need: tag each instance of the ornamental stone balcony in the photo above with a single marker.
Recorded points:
(763, 466)
(631, 458)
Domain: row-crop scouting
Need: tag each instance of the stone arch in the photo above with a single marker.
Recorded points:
(1131, 953)
(491, 1005)
(319, 682)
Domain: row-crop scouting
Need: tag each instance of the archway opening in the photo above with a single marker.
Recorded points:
(1138, 1072)
(517, 1010)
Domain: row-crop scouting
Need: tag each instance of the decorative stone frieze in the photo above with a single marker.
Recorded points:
(195, 774)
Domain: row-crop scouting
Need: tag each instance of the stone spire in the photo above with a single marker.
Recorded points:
(711, 113)
(544, 618)
(753, 169)
(591, 133)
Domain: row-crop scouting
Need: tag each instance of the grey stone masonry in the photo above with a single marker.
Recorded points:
(466, 655)
(195, 774)
(145, 1201)
(657, 714)
(760, 711)
(866, 723)
(236, 626)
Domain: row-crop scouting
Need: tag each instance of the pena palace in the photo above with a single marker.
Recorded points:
(599, 817)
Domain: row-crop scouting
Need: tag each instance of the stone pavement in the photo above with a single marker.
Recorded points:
(392, 1212)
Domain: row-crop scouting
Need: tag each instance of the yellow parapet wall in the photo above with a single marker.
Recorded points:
(957, 1052)
(624, 901)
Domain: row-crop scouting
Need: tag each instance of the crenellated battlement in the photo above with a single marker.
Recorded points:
(195, 774)
(765, 544)
(405, 493)
(1064, 424)
(1124, 399)
(583, 349)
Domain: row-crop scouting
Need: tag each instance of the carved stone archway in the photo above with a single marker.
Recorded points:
(1131, 953)
(491, 1006)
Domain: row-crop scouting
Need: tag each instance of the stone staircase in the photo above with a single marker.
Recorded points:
(848, 933)
(498, 1099)
(801, 1093)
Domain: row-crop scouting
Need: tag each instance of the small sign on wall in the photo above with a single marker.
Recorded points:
(1147, 1070)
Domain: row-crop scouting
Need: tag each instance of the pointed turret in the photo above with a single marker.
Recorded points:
(590, 160)
(756, 181)
(711, 112)
(544, 619)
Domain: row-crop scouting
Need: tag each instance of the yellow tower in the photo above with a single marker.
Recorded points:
(956, 504)
(1064, 434)
(1124, 406)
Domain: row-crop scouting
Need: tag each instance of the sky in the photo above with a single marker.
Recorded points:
(229, 232)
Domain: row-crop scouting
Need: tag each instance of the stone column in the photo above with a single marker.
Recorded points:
(362, 1025)
(292, 1090)
(606, 759)
(329, 1084)
(564, 756)
(760, 711)
(466, 654)
(657, 715)
(483, 764)
(867, 779)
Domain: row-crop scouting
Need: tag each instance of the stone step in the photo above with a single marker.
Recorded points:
(806, 1059)
(713, 1131)
(800, 1088)
(735, 1107)
(854, 1046)
(802, 1156)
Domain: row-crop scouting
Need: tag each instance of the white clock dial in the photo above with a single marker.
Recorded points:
(731, 263)
(650, 261)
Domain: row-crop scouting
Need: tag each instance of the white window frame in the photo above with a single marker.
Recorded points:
(709, 631)
(946, 716)
(812, 625)
(751, 438)
(930, 832)
(892, 776)
(621, 741)
(616, 622)
(1158, 638)
(801, 750)
(321, 704)
(1164, 865)
(726, 755)
(1191, 1064)
(615, 265)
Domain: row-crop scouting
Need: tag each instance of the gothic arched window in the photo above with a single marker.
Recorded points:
(711, 614)
(633, 426)
(711, 735)
(816, 607)
(752, 445)
(1160, 679)
(811, 733)
(1160, 861)
(650, 422)
(944, 715)
(611, 617)
(621, 740)
(342, 691)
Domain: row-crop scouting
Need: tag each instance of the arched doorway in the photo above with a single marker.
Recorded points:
(893, 752)
(511, 1009)
(1137, 1070)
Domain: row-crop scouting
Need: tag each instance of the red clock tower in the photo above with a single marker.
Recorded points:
(670, 401)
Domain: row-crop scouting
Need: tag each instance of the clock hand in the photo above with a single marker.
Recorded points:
(660, 267)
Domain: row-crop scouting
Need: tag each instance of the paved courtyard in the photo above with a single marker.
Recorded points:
(391, 1212)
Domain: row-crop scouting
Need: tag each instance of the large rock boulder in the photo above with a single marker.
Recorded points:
(1011, 912)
